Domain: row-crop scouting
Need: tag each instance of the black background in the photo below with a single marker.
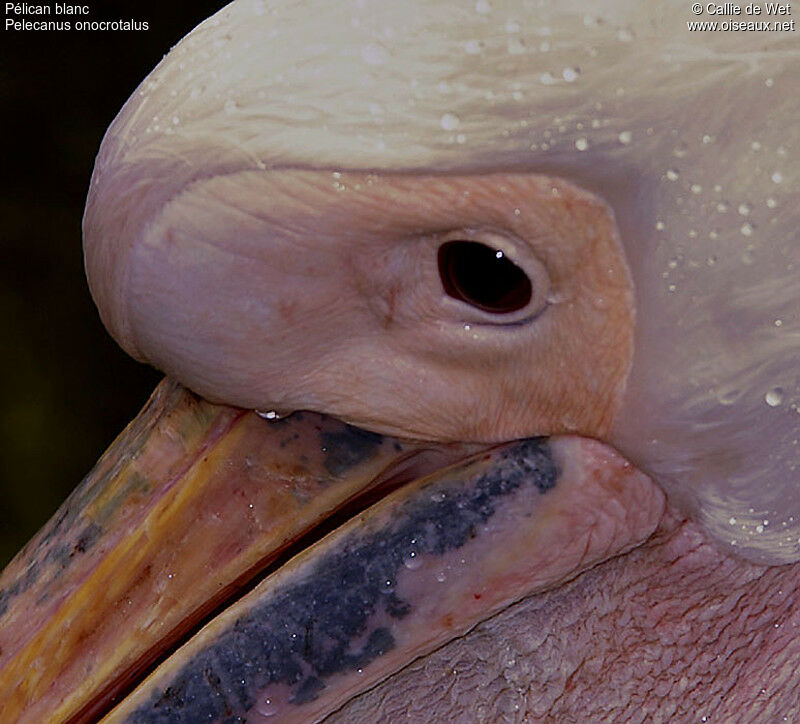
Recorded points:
(67, 389)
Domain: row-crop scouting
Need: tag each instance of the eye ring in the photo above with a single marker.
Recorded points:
(483, 277)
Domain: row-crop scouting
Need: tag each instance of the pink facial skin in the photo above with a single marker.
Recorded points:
(264, 224)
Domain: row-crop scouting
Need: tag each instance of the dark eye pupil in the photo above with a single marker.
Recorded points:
(483, 277)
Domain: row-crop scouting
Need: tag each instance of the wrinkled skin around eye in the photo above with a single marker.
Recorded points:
(349, 314)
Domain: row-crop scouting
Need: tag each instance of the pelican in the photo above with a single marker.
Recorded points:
(509, 287)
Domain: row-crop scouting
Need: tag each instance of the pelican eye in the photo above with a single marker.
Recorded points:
(483, 277)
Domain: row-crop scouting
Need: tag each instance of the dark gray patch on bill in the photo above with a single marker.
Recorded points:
(348, 447)
(320, 626)
(20, 585)
(59, 555)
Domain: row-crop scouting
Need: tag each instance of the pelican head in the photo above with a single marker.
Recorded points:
(267, 211)
(410, 234)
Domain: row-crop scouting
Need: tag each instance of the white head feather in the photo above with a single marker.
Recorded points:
(692, 138)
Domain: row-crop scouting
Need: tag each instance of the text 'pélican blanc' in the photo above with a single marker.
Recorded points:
(23, 16)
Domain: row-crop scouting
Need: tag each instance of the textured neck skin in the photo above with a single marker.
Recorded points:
(688, 136)
(675, 630)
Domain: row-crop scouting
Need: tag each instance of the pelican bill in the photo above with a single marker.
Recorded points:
(189, 504)
(416, 570)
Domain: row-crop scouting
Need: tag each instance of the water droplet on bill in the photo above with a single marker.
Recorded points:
(472, 47)
(570, 74)
(450, 121)
(267, 707)
(774, 397)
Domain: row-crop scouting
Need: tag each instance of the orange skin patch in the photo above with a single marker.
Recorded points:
(329, 298)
